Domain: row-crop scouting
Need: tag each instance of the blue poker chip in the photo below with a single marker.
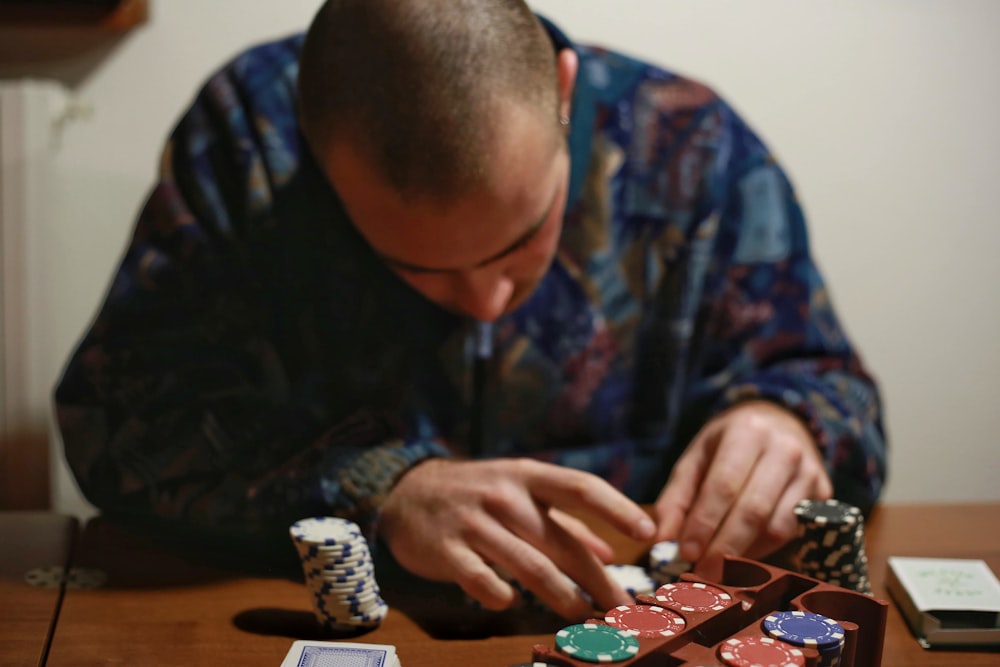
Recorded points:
(802, 628)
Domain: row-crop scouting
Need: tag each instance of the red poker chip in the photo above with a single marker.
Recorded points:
(760, 652)
(646, 621)
(693, 596)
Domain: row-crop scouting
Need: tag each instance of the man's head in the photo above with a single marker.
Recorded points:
(437, 121)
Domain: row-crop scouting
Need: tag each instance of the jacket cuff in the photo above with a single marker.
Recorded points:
(362, 486)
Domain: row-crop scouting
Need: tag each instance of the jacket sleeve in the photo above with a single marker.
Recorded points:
(177, 404)
(767, 323)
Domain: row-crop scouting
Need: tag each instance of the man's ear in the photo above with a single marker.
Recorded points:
(567, 64)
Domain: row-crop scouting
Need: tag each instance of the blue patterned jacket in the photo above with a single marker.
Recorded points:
(254, 363)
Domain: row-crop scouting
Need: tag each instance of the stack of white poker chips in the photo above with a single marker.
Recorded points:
(665, 563)
(339, 573)
(634, 579)
(831, 544)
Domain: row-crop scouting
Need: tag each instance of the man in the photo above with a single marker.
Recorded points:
(441, 271)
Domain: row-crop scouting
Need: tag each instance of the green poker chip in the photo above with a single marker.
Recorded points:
(593, 642)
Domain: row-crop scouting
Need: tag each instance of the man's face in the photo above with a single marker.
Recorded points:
(482, 255)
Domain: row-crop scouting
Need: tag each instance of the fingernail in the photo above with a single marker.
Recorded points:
(690, 551)
(646, 529)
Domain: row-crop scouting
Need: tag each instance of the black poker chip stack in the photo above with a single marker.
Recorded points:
(831, 544)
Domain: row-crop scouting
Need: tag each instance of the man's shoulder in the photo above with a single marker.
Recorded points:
(614, 76)
(250, 95)
(264, 66)
(609, 76)
(247, 106)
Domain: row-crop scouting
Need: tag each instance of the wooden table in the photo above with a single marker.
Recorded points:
(165, 607)
(30, 540)
(937, 531)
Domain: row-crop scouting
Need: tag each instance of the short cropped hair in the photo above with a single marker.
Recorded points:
(417, 84)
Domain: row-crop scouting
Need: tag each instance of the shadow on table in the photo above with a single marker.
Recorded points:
(436, 621)
(442, 611)
(145, 556)
(291, 623)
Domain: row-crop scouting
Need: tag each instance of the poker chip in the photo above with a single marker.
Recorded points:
(646, 621)
(828, 513)
(693, 596)
(45, 577)
(804, 629)
(339, 573)
(760, 652)
(593, 642)
(534, 664)
(327, 531)
(634, 579)
(665, 563)
(664, 552)
(76, 578)
(830, 544)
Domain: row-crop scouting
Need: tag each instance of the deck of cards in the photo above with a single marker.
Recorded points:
(947, 601)
(340, 654)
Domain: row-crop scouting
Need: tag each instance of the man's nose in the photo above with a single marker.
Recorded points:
(484, 296)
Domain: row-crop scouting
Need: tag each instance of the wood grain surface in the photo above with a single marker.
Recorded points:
(30, 540)
(172, 604)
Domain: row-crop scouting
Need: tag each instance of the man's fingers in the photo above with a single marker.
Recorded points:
(749, 519)
(783, 524)
(534, 570)
(497, 514)
(579, 530)
(556, 486)
(479, 580)
(560, 542)
(566, 551)
(575, 559)
(674, 502)
(724, 482)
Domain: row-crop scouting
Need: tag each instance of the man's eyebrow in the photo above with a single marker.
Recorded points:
(512, 248)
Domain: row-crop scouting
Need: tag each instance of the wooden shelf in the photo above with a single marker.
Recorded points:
(103, 15)
(37, 33)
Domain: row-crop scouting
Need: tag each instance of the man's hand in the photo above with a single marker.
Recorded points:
(734, 489)
(452, 520)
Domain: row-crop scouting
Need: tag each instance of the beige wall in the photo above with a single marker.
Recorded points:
(882, 112)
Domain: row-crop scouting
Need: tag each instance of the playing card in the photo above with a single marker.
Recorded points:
(340, 654)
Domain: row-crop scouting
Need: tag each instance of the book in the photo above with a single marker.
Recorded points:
(947, 601)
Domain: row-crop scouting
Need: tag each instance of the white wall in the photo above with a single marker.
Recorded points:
(105, 161)
(881, 110)
(884, 113)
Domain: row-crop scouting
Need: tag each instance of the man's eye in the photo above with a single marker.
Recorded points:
(520, 244)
